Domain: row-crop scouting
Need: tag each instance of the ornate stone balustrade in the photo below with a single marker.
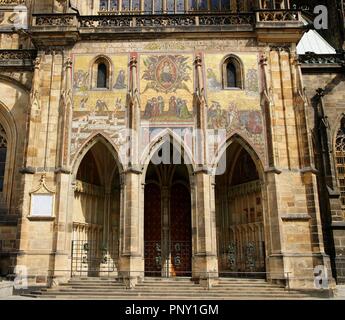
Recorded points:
(162, 20)
(17, 58)
(123, 25)
(11, 2)
(278, 16)
(54, 20)
(110, 21)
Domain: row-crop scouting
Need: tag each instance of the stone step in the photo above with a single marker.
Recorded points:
(339, 292)
(244, 280)
(130, 293)
(92, 283)
(157, 288)
(177, 287)
(231, 284)
(148, 289)
(196, 298)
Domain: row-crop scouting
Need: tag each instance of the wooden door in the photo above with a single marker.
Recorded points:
(180, 231)
(152, 231)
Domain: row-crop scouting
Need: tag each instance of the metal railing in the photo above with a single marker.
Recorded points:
(90, 258)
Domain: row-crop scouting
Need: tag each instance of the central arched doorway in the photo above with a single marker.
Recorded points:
(96, 213)
(167, 221)
(240, 215)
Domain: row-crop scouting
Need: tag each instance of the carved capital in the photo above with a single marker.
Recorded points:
(281, 48)
(133, 62)
(69, 63)
(198, 61)
(263, 60)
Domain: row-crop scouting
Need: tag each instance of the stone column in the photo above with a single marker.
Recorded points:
(132, 265)
(291, 219)
(62, 232)
(166, 254)
(38, 235)
(205, 262)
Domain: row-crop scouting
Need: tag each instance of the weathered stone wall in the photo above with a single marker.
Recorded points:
(333, 215)
(61, 114)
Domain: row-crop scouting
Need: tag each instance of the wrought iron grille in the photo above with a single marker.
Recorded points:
(153, 258)
(179, 257)
(243, 260)
(91, 259)
(181, 253)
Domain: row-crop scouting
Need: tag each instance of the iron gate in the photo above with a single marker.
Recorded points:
(243, 260)
(179, 255)
(91, 259)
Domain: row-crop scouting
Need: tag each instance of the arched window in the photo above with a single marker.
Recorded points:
(3, 155)
(340, 160)
(232, 73)
(102, 75)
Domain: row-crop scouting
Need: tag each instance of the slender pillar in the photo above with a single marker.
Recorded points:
(205, 262)
(132, 265)
(63, 237)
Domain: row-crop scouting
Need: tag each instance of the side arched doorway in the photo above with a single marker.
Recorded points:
(167, 221)
(240, 216)
(96, 214)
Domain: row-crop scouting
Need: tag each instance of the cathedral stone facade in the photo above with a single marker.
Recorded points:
(168, 139)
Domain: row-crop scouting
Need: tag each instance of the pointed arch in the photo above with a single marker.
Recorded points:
(8, 125)
(240, 204)
(335, 128)
(339, 158)
(16, 83)
(87, 146)
(96, 205)
(247, 145)
(169, 205)
(163, 137)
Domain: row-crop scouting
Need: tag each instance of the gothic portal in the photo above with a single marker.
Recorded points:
(169, 139)
(168, 221)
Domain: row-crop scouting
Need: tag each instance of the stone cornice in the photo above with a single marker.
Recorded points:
(313, 60)
(296, 217)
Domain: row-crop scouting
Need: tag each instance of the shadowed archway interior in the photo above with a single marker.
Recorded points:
(239, 216)
(168, 226)
(96, 214)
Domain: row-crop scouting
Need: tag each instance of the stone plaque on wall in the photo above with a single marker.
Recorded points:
(42, 205)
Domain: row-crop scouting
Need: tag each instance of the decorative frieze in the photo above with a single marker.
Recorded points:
(61, 20)
(278, 16)
(322, 59)
(17, 58)
(11, 2)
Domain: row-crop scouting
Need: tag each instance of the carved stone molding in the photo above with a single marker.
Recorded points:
(17, 58)
(311, 58)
